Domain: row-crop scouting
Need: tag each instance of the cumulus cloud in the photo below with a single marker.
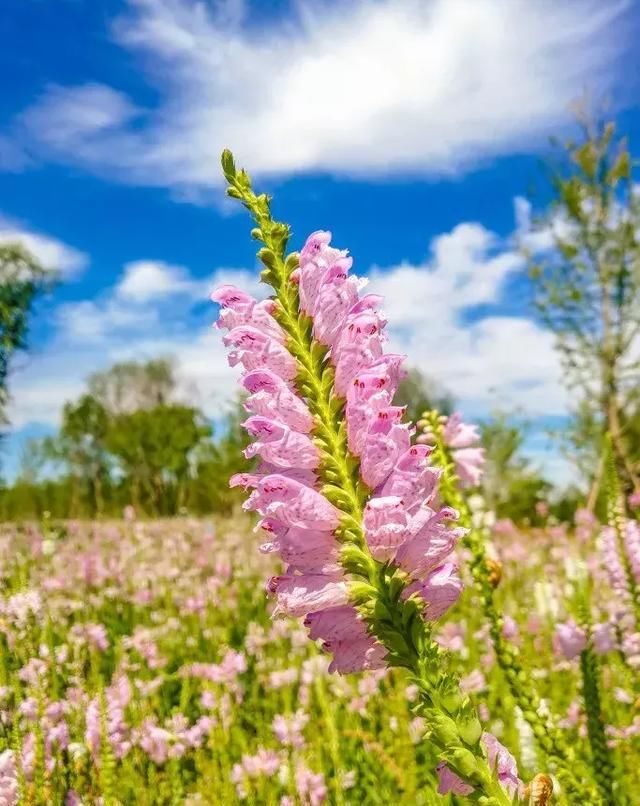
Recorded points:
(53, 254)
(488, 362)
(370, 87)
(144, 280)
(131, 322)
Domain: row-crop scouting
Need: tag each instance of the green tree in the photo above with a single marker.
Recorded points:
(154, 449)
(21, 279)
(215, 463)
(510, 485)
(588, 287)
(80, 447)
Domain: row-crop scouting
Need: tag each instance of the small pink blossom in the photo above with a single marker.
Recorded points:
(569, 640)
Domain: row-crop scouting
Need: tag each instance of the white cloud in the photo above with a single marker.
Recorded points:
(368, 87)
(144, 280)
(77, 120)
(488, 363)
(51, 253)
(93, 321)
(91, 334)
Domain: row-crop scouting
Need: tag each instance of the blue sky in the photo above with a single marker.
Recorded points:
(413, 130)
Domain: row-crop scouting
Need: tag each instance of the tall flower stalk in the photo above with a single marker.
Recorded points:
(344, 497)
(601, 759)
(455, 451)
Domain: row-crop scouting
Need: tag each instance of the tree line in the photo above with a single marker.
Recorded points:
(129, 440)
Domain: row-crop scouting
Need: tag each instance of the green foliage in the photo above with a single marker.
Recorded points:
(21, 279)
(129, 441)
(587, 288)
(153, 448)
(511, 487)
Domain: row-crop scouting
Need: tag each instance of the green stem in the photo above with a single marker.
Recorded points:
(376, 587)
(601, 758)
(600, 753)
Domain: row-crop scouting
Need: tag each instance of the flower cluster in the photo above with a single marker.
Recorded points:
(402, 522)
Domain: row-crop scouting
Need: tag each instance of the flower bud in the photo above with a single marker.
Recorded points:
(469, 728)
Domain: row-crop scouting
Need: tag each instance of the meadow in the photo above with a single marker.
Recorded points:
(140, 665)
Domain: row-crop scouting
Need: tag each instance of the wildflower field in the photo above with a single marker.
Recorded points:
(140, 665)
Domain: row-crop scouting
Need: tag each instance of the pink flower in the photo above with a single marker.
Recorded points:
(345, 635)
(413, 479)
(502, 763)
(448, 781)
(429, 543)
(303, 550)
(386, 526)
(279, 445)
(293, 504)
(305, 593)
(255, 350)
(289, 729)
(8, 779)
(311, 787)
(569, 640)
(604, 638)
(336, 296)
(154, 740)
(468, 457)
(386, 441)
(440, 591)
(239, 308)
(632, 545)
(271, 397)
(473, 682)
